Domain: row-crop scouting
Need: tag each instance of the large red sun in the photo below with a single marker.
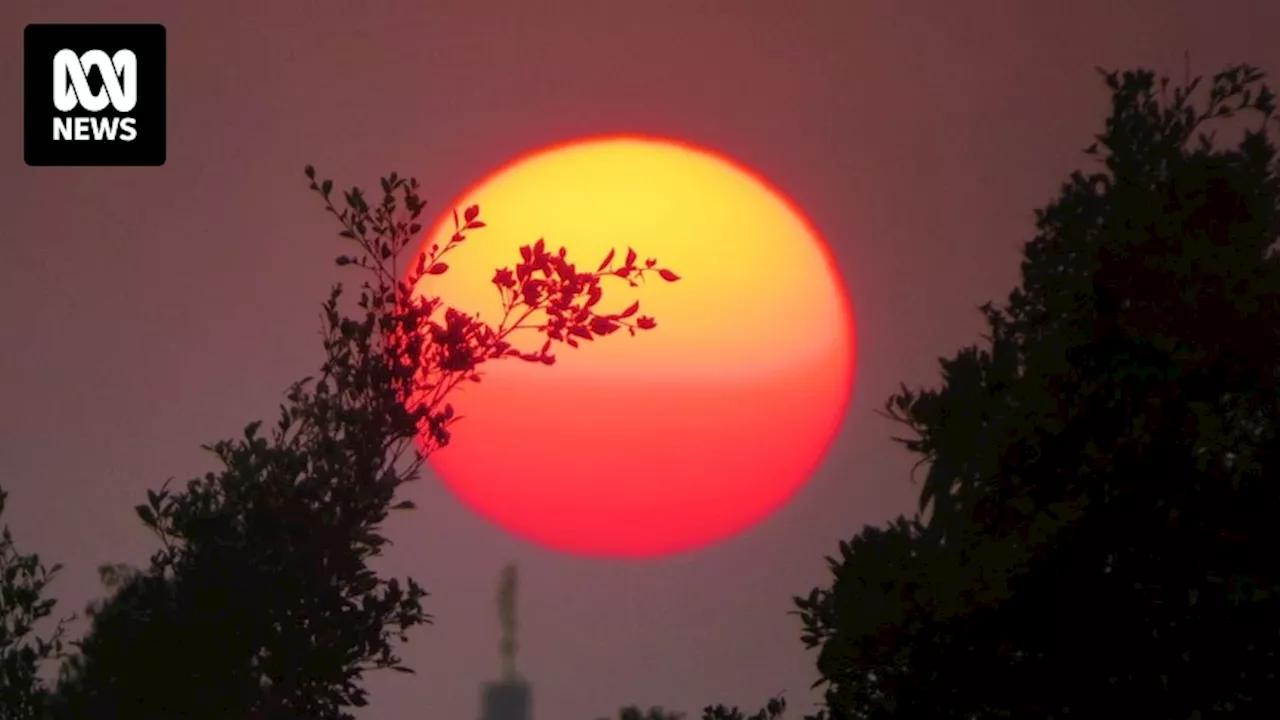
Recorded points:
(677, 437)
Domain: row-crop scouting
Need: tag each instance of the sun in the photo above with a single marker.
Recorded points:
(677, 437)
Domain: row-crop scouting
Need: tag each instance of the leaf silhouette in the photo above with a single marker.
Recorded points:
(607, 259)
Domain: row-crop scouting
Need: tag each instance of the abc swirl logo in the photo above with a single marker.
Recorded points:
(71, 91)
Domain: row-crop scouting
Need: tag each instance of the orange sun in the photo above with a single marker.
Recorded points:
(679, 436)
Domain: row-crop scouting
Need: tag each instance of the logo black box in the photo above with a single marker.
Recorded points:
(94, 94)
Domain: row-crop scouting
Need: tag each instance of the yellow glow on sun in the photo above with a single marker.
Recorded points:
(758, 289)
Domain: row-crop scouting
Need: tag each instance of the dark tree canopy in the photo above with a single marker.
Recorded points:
(24, 603)
(1100, 511)
(261, 602)
(773, 710)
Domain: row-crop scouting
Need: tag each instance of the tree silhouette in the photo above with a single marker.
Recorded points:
(1098, 518)
(23, 603)
(261, 602)
(773, 710)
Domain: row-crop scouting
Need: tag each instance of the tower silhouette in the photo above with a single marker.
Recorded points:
(509, 697)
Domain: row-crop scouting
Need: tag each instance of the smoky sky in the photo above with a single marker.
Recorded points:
(144, 311)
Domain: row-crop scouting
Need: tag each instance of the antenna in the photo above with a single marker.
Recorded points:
(507, 616)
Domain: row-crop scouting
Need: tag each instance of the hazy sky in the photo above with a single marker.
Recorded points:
(146, 311)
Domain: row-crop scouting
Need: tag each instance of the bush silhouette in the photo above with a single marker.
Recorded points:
(1098, 515)
(24, 582)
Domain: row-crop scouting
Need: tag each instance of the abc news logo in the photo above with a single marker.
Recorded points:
(71, 90)
(107, 105)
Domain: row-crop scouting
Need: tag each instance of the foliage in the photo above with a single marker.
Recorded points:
(773, 710)
(1101, 482)
(261, 602)
(23, 603)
